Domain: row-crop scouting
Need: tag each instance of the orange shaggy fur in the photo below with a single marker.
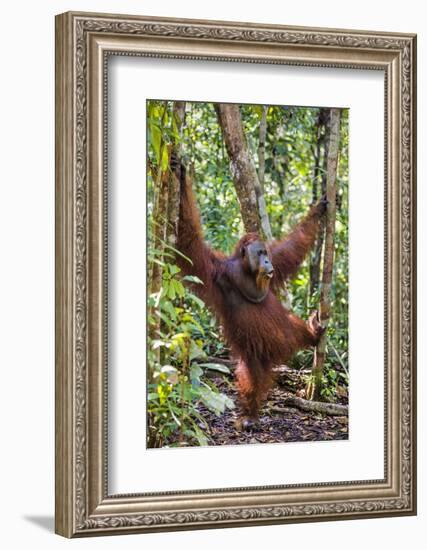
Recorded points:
(262, 334)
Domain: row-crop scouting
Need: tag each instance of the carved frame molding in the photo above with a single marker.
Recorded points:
(83, 43)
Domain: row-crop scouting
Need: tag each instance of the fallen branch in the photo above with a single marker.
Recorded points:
(289, 371)
(332, 409)
(232, 363)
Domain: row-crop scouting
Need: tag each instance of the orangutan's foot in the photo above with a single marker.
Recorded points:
(314, 325)
(247, 424)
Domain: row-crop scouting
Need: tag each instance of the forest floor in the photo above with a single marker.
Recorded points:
(279, 422)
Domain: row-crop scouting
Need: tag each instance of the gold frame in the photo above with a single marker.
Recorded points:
(83, 43)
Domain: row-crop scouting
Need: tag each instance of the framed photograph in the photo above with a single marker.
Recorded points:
(235, 274)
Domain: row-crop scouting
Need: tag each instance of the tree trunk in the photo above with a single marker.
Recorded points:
(159, 213)
(159, 235)
(159, 229)
(245, 177)
(261, 146)
(281, 170)
(166, 209)
(319, 180)
(314, 386)
(178, 113)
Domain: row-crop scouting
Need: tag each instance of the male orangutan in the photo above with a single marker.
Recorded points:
(241, 290)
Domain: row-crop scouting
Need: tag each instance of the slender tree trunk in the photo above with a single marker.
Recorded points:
(281, 183)
(159, 235)
(178, 113)
(317, 151)
(314, 387)
(166, 209)
(281, 171)
(160, 213)
(280, 164)
(261, 146)
(319, 180)
(245, 177)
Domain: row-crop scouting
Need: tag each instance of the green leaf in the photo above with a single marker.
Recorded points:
(174, 269)
(201, 436)
(195, 372)
(193, 279)
(159, 344)
(179, 289)
(212, 401)
(196, 300)
(216, 402)
(156, 139)
(195, 351)
(258, 109)
(216, 367)
(171, 290)
(169, 308)
(171, 374)
(165, 319)
(157, 261)
(180, 336)
(174, 416)
(195, 328)
(165, 158)
(153, 396)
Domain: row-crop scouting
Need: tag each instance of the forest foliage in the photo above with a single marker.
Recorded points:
(288, 146)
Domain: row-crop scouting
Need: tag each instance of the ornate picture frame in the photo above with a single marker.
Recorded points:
(84, 42)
